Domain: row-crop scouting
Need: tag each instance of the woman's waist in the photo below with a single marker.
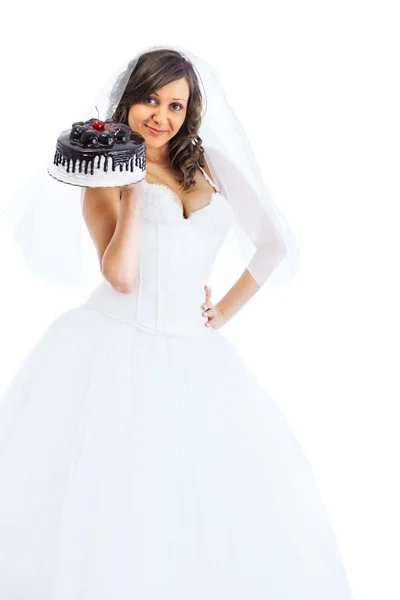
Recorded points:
(158, 308)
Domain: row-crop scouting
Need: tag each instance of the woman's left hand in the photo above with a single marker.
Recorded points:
(213, 313)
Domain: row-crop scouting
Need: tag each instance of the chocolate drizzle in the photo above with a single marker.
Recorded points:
(123, 157)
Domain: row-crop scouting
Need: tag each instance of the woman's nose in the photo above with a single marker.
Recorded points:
(160, 116)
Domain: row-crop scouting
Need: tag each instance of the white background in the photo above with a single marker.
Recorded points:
(316, 86)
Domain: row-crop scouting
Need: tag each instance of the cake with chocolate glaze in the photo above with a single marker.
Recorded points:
(97, 153)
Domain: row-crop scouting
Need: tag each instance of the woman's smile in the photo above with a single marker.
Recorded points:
(156, 131)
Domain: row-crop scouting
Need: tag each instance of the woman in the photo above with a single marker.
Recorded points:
(139, 456)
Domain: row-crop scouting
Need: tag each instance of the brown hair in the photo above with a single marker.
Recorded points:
(153, 70)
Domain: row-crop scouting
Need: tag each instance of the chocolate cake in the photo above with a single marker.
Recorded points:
(97, 153)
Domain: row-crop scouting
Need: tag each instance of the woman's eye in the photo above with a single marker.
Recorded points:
(174, 104)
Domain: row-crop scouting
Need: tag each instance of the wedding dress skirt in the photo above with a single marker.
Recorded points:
(140, 457)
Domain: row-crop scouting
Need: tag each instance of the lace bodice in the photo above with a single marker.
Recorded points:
(177, 255)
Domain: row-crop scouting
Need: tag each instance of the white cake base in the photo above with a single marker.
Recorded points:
(100, 178)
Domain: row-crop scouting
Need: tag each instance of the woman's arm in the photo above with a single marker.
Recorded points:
(246, 286)
(238, 295)
(114, 226)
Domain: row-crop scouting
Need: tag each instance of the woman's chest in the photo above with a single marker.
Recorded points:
(159, 204)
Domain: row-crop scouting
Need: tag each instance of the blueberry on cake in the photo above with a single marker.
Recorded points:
(97, 153)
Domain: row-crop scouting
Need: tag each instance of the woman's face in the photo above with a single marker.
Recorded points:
(165, 110)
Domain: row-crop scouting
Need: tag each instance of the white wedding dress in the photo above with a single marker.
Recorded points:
(140, 457)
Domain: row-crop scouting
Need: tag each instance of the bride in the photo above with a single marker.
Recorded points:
(140, 457)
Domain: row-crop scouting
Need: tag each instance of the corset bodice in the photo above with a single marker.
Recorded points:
(177, 255)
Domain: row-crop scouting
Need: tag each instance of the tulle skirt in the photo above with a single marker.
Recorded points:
(141, 466)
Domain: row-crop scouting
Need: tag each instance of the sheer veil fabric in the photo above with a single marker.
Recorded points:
(46, 223)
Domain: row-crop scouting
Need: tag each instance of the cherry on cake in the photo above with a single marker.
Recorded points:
(97, 153)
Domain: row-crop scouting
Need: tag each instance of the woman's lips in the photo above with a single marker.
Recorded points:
(154, 131)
